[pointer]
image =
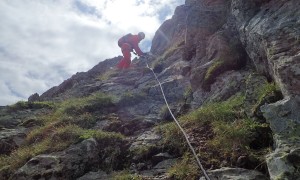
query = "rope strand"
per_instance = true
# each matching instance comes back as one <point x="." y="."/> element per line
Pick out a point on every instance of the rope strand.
<point x="182" y="130"/>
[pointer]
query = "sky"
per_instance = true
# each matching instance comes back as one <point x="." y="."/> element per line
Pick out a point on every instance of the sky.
<point x="44" y="42"/>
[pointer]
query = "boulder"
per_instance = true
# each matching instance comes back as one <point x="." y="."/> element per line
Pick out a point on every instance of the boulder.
<point x="94" y="175"/>
<point x="160" y="170"/>
<point x="234" y="174"/>
<point x="68" y="164"/>
<point x="11" y="139"/>
<point x="34" y="97"/>
<point x="146" y="139"/>
<point x="284" y="119"/>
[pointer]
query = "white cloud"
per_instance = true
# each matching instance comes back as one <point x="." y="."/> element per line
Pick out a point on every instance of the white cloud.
<point x="43" y="43"/>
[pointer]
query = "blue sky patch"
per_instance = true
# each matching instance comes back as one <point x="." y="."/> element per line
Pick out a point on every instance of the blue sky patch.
<point x="86" y="9"/>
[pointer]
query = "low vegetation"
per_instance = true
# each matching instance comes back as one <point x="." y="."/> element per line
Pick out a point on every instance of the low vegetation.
<point x="129" y="98"/>
<point x="94" y="102"/>
<point x="185" y="168"/>
<point x="21" y="105"/>
<point x="126" y="175"/>
<point x="107" y="75"/>
<point x="173" y="140"/>
<point x="159" y="63"/>
<point x="59" y="138"/>
<point x="67" y="124"/>
<point x="266" y="93"/>
<point x="209" y="76"/>
<point x="221" y="132"/>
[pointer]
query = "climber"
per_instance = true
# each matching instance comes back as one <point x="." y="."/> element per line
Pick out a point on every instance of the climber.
<point x="128" y="43"/>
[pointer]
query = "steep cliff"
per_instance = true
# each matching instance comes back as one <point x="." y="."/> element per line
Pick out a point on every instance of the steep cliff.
<point x="230" y="71"/>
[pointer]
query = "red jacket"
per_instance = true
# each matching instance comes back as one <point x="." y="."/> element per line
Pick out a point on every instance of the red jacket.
<point x="133" y="40"/>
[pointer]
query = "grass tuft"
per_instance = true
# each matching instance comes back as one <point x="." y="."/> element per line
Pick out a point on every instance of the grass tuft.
<point x="126" y="175"/>
<point x="129" y="98"/>
<point x="101" y="136"/>
<point x="221" y="132"/>
<point x="94" y="102"/>
<point x="186" y="168"/>
<point x="22" y="105"/>
<point x="173" y="140"/>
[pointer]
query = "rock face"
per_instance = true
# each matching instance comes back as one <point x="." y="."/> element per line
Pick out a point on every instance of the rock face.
<point x="284" y="118"/>
<point x="270" y="33"/>
<point x="34" y="97"/>
<point x="170" y="32"/>
<point x="209" y="51"/>
<point x="10" y="139"/>
<point x="79" y="78"/>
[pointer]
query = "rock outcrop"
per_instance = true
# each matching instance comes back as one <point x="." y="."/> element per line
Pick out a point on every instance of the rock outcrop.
<point x="284" y="119"/>
<point x="67" y="164"/>
<point x="235" y="174"/>
<point x="208" y="53"/>
<point x="269" y="31"/>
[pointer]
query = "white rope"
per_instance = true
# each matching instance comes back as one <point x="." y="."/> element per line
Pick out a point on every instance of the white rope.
<point x="182" y="130"/>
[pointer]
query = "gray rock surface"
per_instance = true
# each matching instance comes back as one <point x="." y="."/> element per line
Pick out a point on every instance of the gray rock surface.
<point x="269" y="30"/>
<point x="95" y="175"/>
<point x="209" y="51"/>
<point x="234" y="174"/>
<point x="68" y="164"/>
<point x="11" y="139"/>
<point x="34" y="97"/>
<point x="159" y="171"/>
<point x="284" y="119"/>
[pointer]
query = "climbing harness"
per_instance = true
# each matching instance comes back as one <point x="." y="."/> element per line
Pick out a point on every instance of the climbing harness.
<point x="182" y="130"/>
